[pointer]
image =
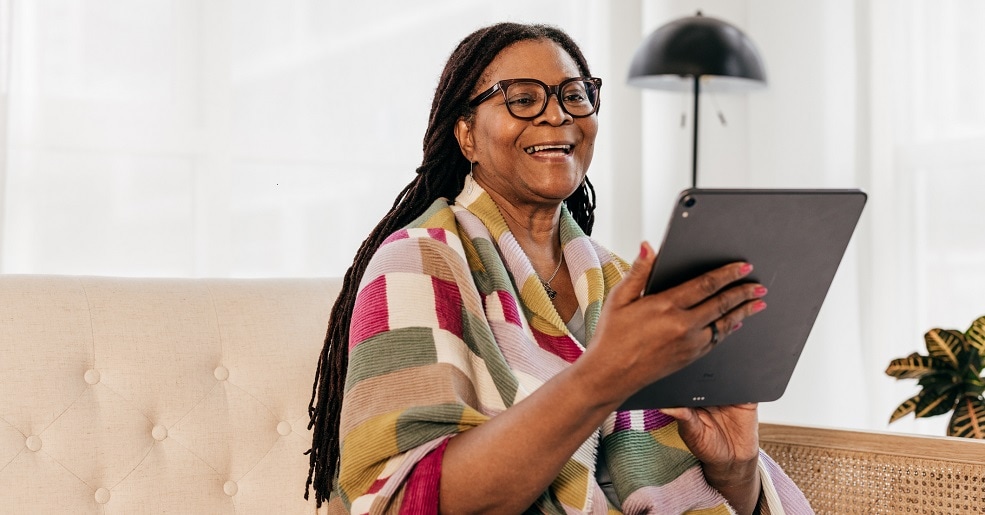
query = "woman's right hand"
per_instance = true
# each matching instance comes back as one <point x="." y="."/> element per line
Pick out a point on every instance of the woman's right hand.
<point x="642" y="338"/>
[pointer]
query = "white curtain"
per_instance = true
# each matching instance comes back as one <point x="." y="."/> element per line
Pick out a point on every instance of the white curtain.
<point x="262" y="138"/>
<point x="222" y="138"/>
<point x="882" y="95"/>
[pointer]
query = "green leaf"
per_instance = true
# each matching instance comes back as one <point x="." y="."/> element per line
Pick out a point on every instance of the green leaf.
<point x="975" y="335"/>
<point x="946" y="344"/>
<point x="939" y="378"/>
<point x="912" y="367"/>
<point x="968" y="420"/>
<point x="906" y="408"/>
<point x="932" y="404"/>
<point x="974" y="388"/>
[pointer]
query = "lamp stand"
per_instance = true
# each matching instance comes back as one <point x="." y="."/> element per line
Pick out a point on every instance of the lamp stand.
<point x="694" y="144"/>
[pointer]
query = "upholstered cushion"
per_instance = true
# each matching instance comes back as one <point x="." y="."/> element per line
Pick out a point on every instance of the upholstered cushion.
<point x="157" y="395"/>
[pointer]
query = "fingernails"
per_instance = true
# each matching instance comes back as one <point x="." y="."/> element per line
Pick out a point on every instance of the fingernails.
<point x="642" y="251"/>
<point x="758" y="306"/>
<point x="736" y="327"/>
<point x="746" y="268"/>
<point x="760" y="291"/>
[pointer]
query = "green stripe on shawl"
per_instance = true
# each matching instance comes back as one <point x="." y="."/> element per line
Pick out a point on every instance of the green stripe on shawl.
<point x="436" y="216"/>
<point x="481" y="342"/>
<point x="631" y="455"/>
<point x="419" y="425"/>
<point x="401" y="347"/>
<point x="489" y="275"/>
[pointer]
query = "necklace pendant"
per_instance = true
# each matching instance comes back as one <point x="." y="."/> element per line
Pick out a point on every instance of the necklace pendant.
<point x="551" y="293"/>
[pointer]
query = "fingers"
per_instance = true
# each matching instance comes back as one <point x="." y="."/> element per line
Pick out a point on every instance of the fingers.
<point x="728" y="309"/>
<point x="679" y="414"/>
<point x="630" y="288"/>
<point x="696" y="290"/>
<point x="715" y="307"/>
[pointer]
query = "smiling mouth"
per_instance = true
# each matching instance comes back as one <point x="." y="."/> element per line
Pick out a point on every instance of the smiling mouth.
<point x="564" y="149"/>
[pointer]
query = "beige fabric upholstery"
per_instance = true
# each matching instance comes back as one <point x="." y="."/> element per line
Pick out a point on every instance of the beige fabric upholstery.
<point x="157" y="395"/>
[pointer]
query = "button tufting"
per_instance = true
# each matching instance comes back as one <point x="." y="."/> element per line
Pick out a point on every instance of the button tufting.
<point x="159" y="432"/>
<point x="92" y="376"/>
<point x="221" y="373"/>
<point x="284" y="428"/>
<point x="230" y="488"/>
<point x="102" y="496"/>
<point x="34" y="443"/>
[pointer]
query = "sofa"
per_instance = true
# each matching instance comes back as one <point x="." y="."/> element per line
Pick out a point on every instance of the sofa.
<point x="134" y="395"/>
<point x="130" y="395"/>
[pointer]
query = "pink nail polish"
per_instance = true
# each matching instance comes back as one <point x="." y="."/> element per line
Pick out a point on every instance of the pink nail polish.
<point x="736" y="327"/>
<point x="642" y="251"/>
<point x="758" y="306"/>
<point x="760" y="291"/>
<point x="746" y="268"/>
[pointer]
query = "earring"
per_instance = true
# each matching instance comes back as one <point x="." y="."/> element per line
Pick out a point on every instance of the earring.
<point x="471" y="179"/>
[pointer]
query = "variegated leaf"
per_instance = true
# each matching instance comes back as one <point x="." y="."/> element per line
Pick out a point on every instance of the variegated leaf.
<point x="968" y="420"/>
<point x="974" y="387"/>
<point x="946" y="344"/>
<point x="975" y="335"/>
<point x="971" y="369"/>
<point x="934" y="403"/>
<point x="906" y="408"/>
<point x="939" y="380"/>
<point x="912" y="367"/>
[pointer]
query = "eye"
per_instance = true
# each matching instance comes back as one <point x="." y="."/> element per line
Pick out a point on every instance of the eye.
<point x="522" y="100"/>
<point x="575" y="93"/>
<point x="575" y="98"/>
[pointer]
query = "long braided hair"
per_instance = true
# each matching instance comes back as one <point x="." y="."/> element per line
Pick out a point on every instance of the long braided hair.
<point x="441" y="174"/>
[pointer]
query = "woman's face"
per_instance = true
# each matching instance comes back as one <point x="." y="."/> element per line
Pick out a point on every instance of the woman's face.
<point x="537" y="162"/>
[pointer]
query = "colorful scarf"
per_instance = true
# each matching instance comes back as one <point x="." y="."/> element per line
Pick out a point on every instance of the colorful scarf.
<point x="451" y="327"/>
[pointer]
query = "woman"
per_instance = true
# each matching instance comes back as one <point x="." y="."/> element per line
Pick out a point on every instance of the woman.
<point x="490" y="339"/>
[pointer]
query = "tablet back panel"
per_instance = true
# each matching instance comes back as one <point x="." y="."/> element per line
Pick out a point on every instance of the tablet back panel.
<point x="795" y="240"/>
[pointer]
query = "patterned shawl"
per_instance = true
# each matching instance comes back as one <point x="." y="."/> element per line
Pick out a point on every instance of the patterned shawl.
<point x="452" y="326"/>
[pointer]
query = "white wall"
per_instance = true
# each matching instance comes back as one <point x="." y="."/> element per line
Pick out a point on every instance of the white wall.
<point x="261" y="138"/>
<point x="798" y="132"/>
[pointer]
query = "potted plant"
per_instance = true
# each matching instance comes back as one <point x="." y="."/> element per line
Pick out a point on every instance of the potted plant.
<point x="950" y="378"/>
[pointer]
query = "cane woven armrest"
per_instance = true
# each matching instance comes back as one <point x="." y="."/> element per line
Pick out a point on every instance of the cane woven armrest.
<point x="856" y="472"/>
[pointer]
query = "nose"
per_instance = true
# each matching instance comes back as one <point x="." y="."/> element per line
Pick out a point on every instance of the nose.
<point x="553" y="113"/>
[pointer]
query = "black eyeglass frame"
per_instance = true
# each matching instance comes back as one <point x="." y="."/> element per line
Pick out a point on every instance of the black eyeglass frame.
<point x="552" y="91"/>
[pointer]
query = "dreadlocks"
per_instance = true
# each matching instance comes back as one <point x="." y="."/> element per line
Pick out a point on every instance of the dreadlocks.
<point x="441" y="174"/>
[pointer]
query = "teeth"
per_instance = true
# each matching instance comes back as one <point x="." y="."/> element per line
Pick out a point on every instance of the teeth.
<point x="538" y="148"/>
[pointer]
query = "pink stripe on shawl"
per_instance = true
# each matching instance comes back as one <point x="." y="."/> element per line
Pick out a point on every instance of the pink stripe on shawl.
<point x="652" y="419"/>
<point x="423" y="484"/>
<point x="448" y="305"/>
<point x="398" y="235"/>
<point x="511" y="312"/>
<point x="563" y="346"/>
<point x="438" y="234"/>
<point x="370" y="315"/>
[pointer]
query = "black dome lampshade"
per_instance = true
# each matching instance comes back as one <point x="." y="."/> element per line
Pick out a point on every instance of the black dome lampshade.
<point x="697" y="53"/>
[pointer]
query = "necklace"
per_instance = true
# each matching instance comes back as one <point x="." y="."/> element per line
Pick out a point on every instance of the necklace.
<point x="551" y="292"/>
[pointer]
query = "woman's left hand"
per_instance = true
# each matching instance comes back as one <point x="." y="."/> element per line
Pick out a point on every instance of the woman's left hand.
<point x="726" y="441"/>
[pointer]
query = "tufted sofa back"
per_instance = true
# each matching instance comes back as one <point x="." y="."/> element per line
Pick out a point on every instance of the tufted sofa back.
<point x="121" y="395"/>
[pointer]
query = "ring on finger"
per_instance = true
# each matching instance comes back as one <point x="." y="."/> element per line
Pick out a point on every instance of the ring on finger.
<point x="714" y="332"/>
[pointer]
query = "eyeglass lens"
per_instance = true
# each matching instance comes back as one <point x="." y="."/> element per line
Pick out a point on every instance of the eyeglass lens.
<point x="529" y="99"/>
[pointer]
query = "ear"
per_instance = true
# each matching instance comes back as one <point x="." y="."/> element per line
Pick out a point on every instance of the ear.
<point x="463" y="133"/>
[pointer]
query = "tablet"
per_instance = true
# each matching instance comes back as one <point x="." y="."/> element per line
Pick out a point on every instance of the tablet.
<point x="795" y="240"/>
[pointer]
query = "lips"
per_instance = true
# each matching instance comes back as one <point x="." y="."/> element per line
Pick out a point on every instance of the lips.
<point x="549" y="148"/>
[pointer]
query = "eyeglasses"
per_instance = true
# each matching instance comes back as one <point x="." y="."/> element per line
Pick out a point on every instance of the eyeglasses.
<point x="527" y="99"/>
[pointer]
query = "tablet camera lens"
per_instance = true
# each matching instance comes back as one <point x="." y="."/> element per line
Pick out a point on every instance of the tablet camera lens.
<point x="688" y="201"/>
